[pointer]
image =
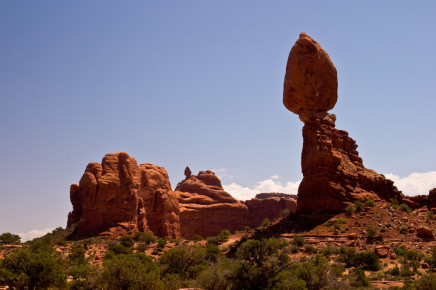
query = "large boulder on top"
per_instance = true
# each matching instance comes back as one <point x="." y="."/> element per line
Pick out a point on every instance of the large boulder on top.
<point x="311" y="83"/>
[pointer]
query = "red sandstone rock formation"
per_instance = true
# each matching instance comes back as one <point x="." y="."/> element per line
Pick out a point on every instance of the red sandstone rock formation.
<point x="311" y="83"/>
<point x="206" y="208"/>
<point x="118" y="192"/>
<point x="333" y="172"/>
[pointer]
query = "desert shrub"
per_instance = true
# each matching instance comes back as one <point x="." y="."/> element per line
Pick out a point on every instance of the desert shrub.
<point x="223" y="236"/>
<point x="404" y="207"/>
<point x="310" y="249"/>
<point x="359" y="205"/>
<point x="371" y="232"/>
<point x="404" y="230"/>
<point x="24" y="269"/>
<point x="365" y="260"/>
<point x="247" y="229"/>
<point x="349" y="209"/>
<point x="133" y="271"/>
<point x="298" y="241"/>
<point x="260" y="262"/>
<point x="370" y="203"/>
<point x="212" y="253"/>
<point x="294" y="249"/>
<point x="337" y="225"/>
<point x="77" y="254"/>
<point x="286" y="212"/>
<point x="328" y="251"/>
<point x="408" y="255"/>
<point x="359" y="278"/>
<point x="431" y="259"/>
<point x="395" y="271"/>
<point x="218" y="275"/>
<point x="430" y="215"/>
<point x="183" y="260"/>
<point x="141" y="247"/>
<point x="426" y="282"/>
<point x="84" y="277"/>
<point x="127" y="241"/>
<point x="161" y="243"/>
<point x="197" y="238"/>
<point x="212" y="240"/>
<point x="265" y="222"/>
<point x="9" y="239"/>
<point x="145" y="237"/>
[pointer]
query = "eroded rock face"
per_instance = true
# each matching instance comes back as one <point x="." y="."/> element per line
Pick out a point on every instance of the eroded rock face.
<point x="118" y="192"/>
<point x="206" y="208"/>
<point x="333" y="172"/>
<point x="432" y="198"/>
<point x="311" y="84"/>
<point x="334" y="175"/>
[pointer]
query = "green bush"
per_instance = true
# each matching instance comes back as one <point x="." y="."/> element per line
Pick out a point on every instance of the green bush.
<point x="365" y="260"/>
<point x="359" y="205"/>
<point x="24" y="269"/>
<point x="247" y="229"/>
<point x="134" y="271"/>
<point x="426" y="282"/>
<point x="127" y="241"/>
<point x="298" y="241"/>
<point x="431" y="259"/>
<point x="212" y="253"/>
<point x="77" y="254"/>
<point x="145" y="237"/>
<point x="219" y="275"/>
<point x="370" y="203"/>
<point x="9" y="239"/>
<point x="405" y="208"/>
<point x="223" y="236"/>
<point x="197" y="238"/>
<point x="430" y="215"/>
<point x="265" y="222"/>
<point x="84" y="276"/>
<point x="359" y="278"/>
<point x="161" y="243"/>
<point x="183" y="260"/>
<point x="371" y="232"/>
<point x="349" y="210"/>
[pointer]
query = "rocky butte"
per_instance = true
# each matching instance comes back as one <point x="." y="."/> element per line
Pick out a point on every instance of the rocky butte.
<point x="120" y="196"/>
<point x="333" y="173"/>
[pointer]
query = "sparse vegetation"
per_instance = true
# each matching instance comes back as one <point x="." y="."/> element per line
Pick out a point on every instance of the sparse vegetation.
<point x="370" y="203"/>
<point x="349" y="209"/>
<point x="404" y="207"/>
<point x="359" y="205"/>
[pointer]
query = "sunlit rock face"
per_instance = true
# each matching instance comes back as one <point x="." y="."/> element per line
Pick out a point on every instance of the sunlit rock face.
<point x="334" y="174"/>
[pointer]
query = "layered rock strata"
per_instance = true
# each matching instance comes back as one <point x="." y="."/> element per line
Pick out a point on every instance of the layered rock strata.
<point x="119" y="193"/>
<point x="206" y="208"/>
<point x="118" y="196"/>
<point x="333" y="172"/>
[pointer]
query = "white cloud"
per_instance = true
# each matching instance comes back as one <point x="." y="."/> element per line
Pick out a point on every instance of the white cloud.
<point x="268" y="185"/>
<point x="222" y="173"/>
<point x="30" y="235"/>
<point x="416" y="183"/>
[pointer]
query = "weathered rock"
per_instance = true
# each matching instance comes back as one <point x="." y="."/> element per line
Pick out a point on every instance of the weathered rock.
<point x="333" y="172"/>
<point x="271" y="208"/>
<point x="206" y="208"/>
<point x="161" y="204"/>
<point x="264" y="195"/>
<point x="425" y="233"/>
<point x="432" y="198"/>
<point x="382" y="251"/>
<point x="188" y="172"/>
<point x="119" y="193"/>
<point x="311" y="82"/>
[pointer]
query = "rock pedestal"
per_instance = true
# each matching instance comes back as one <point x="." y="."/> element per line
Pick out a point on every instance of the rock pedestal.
<point x="333" y="172"/>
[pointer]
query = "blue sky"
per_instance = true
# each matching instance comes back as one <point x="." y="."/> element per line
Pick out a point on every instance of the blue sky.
<point x="197" y="83"/>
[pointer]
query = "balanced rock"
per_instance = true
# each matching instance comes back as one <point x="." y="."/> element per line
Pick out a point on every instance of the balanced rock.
<point x="311" y="84"/>
<point x="333" y="172"/>
<point x="119" y="193"/>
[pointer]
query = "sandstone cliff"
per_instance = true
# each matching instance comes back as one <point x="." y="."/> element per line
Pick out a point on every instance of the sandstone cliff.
<point x="119" y="193"/>
<point x="206" y="208"/>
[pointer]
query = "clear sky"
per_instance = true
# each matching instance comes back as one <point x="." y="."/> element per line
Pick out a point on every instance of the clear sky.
<point x="199" y="83"/>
